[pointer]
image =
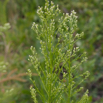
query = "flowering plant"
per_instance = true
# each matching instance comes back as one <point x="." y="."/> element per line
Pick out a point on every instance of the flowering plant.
<point x="57" y="72"/>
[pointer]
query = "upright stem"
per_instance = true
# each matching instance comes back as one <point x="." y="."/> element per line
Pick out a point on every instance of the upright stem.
<point x="69" y="99"/>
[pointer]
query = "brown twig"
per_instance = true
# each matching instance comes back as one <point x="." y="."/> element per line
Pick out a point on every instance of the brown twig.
<point x="17" y="77"/>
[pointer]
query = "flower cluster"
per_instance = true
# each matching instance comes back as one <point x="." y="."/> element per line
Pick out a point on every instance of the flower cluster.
<point x="57" y="72"/>
<point x="5" y="27"/>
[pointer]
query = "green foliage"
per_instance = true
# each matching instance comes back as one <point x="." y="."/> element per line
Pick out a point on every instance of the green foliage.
<point x="14" y="50"/>
<point x="54" y="51"/>
<point x="3" y="29"/>
<point x="3" y="17"/>
<point x="3" y="66"/>
<point x="7" y="96"/>
<point x="15" y="43"/>
<point x="4" y="96"/>
<point x="90" y="21"/>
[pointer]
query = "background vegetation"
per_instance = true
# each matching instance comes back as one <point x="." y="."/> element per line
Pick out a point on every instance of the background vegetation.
<point x="15" y="45"/>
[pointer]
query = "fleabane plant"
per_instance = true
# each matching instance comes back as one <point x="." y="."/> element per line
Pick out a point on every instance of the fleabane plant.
<point x="58" y="72"/>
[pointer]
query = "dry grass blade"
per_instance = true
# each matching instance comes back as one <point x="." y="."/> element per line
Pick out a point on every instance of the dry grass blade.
<point x="11" y="76"/>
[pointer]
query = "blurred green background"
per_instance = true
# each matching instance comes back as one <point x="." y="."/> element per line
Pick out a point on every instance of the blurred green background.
<point x="15" y="45"/>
